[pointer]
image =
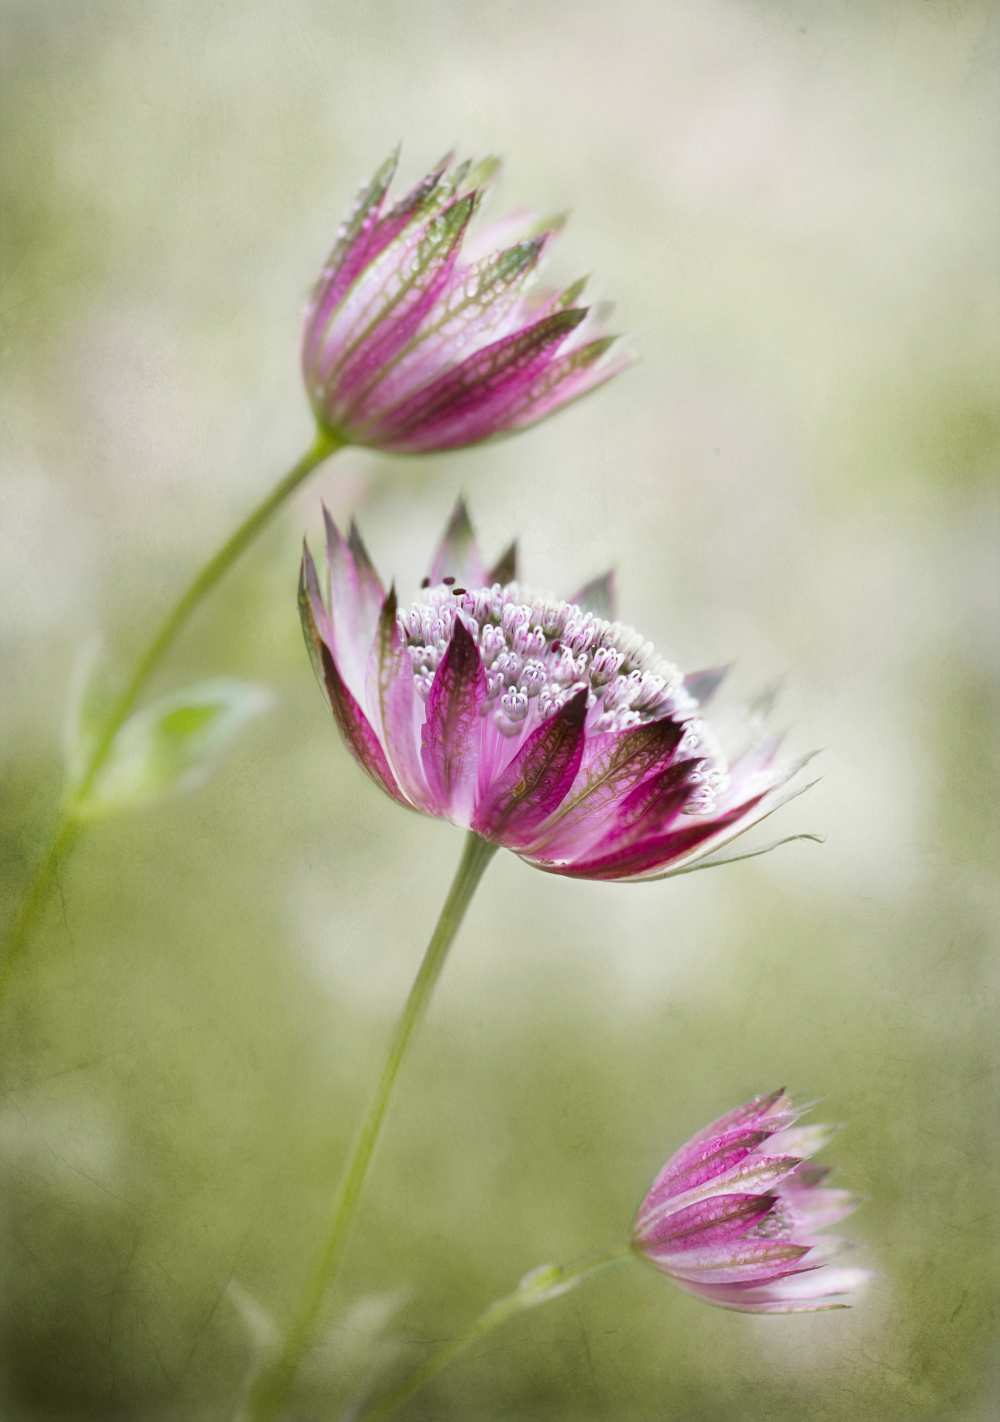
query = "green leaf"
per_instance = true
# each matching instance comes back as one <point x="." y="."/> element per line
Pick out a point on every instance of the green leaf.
<point x="171" y="746"/>
<point x="547" y="1281"/>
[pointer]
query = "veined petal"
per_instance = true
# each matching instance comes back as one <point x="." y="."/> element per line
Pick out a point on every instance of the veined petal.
<point x="734" y="823"/>
<point x="613" y="763"/>
<point x="754" y="1174"/>
<point x="395" y="705"/>
<point x="351" y="250"/>
<point x="537" y="779"/>
<point x="354" y="726"/>
<point x="390" y="248"/>
<point x="469" y="402"/>
<point x="355" y="596"/>
<point x="700" y="1161"/>
<point x="452" y="728"/>
<point x="476" y="305"/>
<point x="650" y="808"/>
<point x="719" y="1219"/>
<point x="407" y="296"/>
<point x="642" y="859"/>
<point x="568" y="378"/>
<point x="749" y="1260"/>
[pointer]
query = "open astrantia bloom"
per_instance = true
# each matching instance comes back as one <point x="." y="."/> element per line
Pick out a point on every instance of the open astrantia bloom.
<point x="419" y="337"/>
<point x="737" y="1215"/>
<point x="541" y="724"/>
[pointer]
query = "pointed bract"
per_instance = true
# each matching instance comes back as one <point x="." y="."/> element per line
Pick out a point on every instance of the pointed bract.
<point x="457" y="554"/>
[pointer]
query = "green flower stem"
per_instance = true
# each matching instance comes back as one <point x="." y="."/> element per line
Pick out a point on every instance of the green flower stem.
<point x="67" y="826"/>
<point x="525" y="1296"/>
<point x="272" y="1387"/>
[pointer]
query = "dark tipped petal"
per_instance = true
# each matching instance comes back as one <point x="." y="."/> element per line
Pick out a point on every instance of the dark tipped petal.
<point x="311" y="609"/>
<point x="504" y="570"/>
<point x="703" y="685"/>
<point x="599" y="596"/>
<point x="457" y="554"/>
<point x="773" y="1111"/>
<point x="361" y="740"/>
<point x="452" y="728"/>
<point x="537" y="779"/>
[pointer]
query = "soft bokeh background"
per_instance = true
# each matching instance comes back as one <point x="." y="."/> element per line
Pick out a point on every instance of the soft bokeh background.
<point x="796" y="208"/>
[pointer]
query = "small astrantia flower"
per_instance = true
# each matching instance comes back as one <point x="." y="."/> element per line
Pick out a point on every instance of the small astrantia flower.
<point x="420" y="337"/>
<point x="541" y="724"/>
<point x="737" y="1215"/>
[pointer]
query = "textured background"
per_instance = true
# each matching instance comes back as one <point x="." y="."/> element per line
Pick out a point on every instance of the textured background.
<point x="796" y="208"/>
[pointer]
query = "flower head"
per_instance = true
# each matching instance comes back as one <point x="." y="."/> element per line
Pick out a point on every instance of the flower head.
<point x="737" y="1215"/>
<point x="543" y="725"/>
<point x="418" y="338"/>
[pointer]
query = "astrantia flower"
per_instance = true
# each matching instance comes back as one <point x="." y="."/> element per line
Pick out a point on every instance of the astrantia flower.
<point x="737" y="1215"/>
<point x="418" y="338"/>
<point x="543" y="725"/>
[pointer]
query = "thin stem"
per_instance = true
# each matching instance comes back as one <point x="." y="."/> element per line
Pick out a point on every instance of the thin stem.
<point x="272" y="1387"/>
<point x="527" y="1295"/>
<point x="67" y="825"/>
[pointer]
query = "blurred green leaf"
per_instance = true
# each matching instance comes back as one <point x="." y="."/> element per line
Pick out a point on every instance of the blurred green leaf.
<point x="92" y="693"/>
<point x="171" y="746"/>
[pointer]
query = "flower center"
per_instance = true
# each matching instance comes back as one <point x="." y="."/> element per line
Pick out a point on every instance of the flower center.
<point x="538" y="652"/>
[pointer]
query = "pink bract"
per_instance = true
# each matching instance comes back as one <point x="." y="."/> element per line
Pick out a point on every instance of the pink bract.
<point x="737" y="1215"/>
<point x="421" y="338"/>
<point x="543" y="725"/>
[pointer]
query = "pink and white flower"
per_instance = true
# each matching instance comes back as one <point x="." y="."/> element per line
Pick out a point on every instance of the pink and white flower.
<point x="543" y="725"/>
<point x="419" y="337"/>
<point x="738" y="1215"/>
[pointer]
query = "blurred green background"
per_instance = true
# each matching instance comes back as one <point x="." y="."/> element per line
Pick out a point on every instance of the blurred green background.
<point x="795" y="206"/>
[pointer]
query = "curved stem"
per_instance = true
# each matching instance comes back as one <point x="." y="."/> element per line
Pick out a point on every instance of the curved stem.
<point x="529" y="1294"/>
<point x="272" y="1387"/>
<point x="67" y="826"/>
